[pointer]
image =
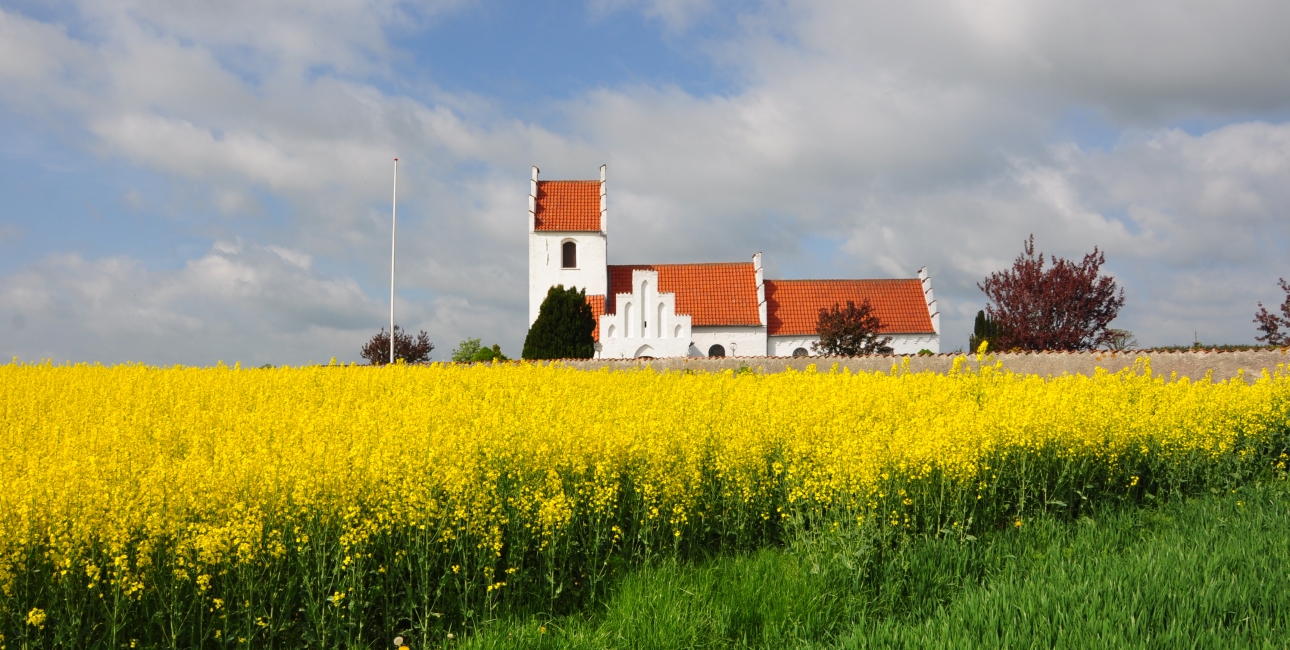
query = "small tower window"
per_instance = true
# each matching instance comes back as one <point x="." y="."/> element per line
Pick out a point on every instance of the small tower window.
<point x="716" y="351"/>
<point x="569" y="253"/>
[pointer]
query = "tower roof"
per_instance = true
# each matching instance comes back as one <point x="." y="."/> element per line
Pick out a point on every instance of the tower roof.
<point x="571" y="206"/>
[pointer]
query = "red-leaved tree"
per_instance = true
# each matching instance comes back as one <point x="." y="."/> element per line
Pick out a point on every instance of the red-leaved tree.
<point x="850" y="332"/>
<point x="406" y="347"/>
<point x="1066" y="306"/>
<point x="1271" y="324"/>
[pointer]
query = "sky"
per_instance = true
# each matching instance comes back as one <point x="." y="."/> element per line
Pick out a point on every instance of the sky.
<point x="187" y="182"/>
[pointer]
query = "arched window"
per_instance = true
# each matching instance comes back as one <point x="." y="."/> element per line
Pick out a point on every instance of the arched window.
<point x="716" y="351"/>
<point x="569" y="252"/>
<point x="801" y="352"/>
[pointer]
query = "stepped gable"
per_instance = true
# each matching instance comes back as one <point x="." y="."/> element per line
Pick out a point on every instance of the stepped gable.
<point x="571" y="206"/>
<point x="793" y="306"/>
<point x="723" y="293"/>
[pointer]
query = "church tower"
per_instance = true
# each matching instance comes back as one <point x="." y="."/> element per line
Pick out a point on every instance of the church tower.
<point x="568" y="238"/>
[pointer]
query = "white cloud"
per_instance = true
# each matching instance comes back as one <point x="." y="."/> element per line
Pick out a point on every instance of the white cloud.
<point x="10" y="232"/>
<point x="676" y="15"/>
<point x="238" y="301"/>
<point x="1138" y="58"/>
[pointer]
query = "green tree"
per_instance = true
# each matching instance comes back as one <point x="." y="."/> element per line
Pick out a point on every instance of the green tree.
<point x="471" y="350"/>
<point x="563" y="327"/>
<point x="466" y="350"/>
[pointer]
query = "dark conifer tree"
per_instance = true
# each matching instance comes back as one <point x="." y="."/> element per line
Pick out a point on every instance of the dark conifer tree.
<point x="985" y="330"/>
<point x="564" y="326"/>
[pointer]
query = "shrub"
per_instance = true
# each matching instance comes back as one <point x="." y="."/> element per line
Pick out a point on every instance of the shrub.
<point x="490" y="354"/>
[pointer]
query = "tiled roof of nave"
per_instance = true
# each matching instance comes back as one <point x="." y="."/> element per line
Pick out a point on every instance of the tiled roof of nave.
<point x="793" y="306"/>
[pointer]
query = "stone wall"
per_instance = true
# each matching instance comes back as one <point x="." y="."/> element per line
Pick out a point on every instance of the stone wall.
<point x="1195" y="365"/>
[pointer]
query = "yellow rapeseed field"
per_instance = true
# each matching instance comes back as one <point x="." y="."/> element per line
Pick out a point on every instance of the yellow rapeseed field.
<point x="225" y="501"/>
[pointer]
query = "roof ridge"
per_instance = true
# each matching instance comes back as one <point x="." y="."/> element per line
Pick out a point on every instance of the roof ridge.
<point x="843" y="280"/>
<point x="683" y="264"/>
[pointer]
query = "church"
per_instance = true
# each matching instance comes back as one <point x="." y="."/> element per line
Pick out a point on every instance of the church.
<point x="710" y="309"/>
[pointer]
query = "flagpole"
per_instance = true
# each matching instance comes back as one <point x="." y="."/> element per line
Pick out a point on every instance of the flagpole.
<point x="394" y="222"/>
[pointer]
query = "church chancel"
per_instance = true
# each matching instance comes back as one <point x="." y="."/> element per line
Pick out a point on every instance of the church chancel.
<point x="701" y="310"/>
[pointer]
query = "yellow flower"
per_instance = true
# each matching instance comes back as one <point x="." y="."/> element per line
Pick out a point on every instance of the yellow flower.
<point x="221" y="470"/>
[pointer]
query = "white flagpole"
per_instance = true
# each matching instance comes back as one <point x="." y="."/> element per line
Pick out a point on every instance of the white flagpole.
<point x="394" y="222"/>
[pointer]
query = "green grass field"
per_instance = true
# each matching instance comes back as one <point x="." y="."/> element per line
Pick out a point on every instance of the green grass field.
<point x="1207" y="572"/>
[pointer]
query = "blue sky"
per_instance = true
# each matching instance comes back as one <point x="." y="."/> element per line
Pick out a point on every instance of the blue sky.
<point x="187" y="182"/>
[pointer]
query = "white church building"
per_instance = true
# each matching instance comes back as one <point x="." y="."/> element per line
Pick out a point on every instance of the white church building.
<point x="700" y="310"/>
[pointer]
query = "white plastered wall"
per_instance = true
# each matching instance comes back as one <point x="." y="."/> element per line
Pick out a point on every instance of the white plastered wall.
<point x="545" y="271"/>
<point x="644" y="323"/>
<point x="783" y="346"/>
<point x="914" y="343"/>
<point x="739" y="341"/>
<point x="933" y="342"/>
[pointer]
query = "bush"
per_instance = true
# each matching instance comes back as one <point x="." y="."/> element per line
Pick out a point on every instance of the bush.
<point x="471" y="351"/>
<point x="490" y="354"/>
<point x="564" y="326"/>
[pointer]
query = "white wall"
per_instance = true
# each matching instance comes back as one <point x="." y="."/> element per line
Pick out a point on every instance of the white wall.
<point x="545" y="258"/>
<point x="739" y="341"/>
<point x="914" y="343"/>
<point x="644" y="323"/>
<point x="783" y="346"/>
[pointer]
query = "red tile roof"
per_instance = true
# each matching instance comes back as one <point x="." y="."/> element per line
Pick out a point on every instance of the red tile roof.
<point x="712" y="294"/>
<point x="597" y="303"/>
<point x="793" y="306"/>
<point x="568" y="205"/>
